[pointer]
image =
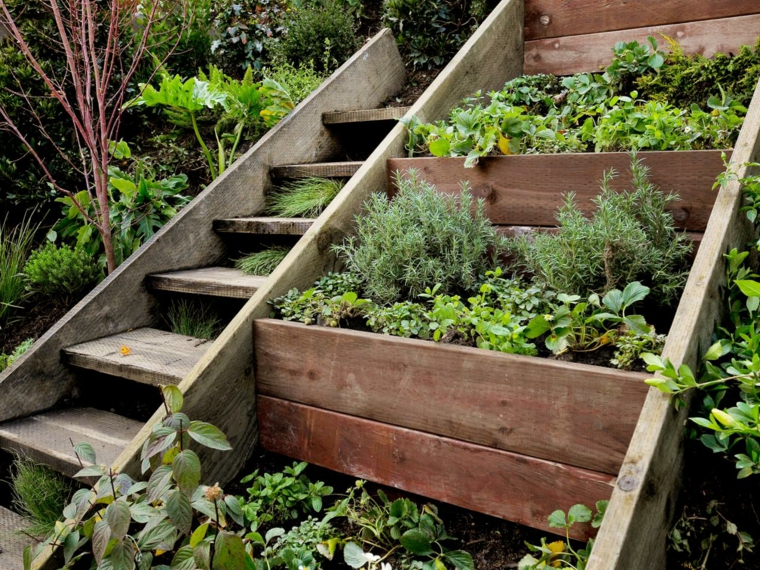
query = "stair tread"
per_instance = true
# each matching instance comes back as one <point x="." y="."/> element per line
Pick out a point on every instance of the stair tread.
<point x="215" y="281"/>
<point x="264" y="225"/>
<point x="47" y="437"/>
<point x="155" y="356"/>
<point x="344" y="169"/>
<point x="364" y="115"/>
<point x="12" y="542"/>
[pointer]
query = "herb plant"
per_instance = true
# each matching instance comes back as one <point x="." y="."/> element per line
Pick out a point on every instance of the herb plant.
<point x="631" y="237"/>
<point x="419" y="239"/>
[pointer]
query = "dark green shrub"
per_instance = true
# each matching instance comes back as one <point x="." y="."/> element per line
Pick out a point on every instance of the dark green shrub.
<point x="420" y="239"/>
<point x="322" y="33"/>
<point x="61" y="272"/>
<point x="631" y="237"/>
<point x="431" y="31"/>
<point x="246" y="30"/>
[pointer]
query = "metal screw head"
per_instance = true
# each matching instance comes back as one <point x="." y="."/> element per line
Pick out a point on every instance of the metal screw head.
<point x="545" y="20"/>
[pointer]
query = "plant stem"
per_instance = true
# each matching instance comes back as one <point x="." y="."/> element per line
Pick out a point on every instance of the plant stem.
<point x="213" y="544"/>
<point x="206" y="151"/>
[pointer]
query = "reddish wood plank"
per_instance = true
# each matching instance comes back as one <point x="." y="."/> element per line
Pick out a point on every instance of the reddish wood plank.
<point x="527" y="189"/>
<point x="498" y="483"/>
<point x="576" y="414"/>
<point x="590" y="52"/>
<point x="552" y="19"/>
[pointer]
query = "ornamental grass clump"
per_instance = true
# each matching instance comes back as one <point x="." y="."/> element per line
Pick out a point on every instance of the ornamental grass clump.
<point x="420" y="239"/>
<point x="262" y="262"/>
<point x="631" y="237"/>
<point x="305" y="198"/>
<point x="39" y="494"/>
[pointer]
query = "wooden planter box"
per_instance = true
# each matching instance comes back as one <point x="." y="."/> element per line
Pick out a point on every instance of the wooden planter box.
<point x="530" y="434"/>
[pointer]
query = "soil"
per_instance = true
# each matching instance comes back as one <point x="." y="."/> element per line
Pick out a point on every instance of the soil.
<point x="416" y="83"/>
<point x="710" y="483"/>
<point x="33" y="322"/>
<point x="493" y="543"/>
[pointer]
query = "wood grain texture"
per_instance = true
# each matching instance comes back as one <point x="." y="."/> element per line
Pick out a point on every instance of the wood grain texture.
<point x="320" y="170"/>
<point x="220" y="388"/>
<point x="552" y="19"/>
<point x="637" y="521"/>
<point x="214" y="281"/>
<point x="574" y="414"/>
<point x="364" y="115"/>
<point x="498" y="483"/>
<point x="590" y="52"/>
<point x="46" y="438"/>
<point x="155" y="357"/>
<point x="12" y="542"/>
<point x="490" y="57"/>
<point x="264" y="226"/>
<point x="527" y="190"/>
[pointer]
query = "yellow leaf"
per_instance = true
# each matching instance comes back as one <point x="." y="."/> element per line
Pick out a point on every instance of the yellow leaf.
<point x="504" y="144"/>
<point x="125" y="350"/>
<point x="724" y="418"/>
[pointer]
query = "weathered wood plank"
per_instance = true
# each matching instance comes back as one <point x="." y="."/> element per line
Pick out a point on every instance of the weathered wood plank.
<point x="214" y="281"/>
<point x="507" y="485"/>
<point x="552" y="19"/>
<point x="12" y="541"/>
<point x="47" y="437"/>
<point x="320" y="170"/>
<point x="590" y="52"/>
<point x="155" y="357"/>
<point x="637" y="521"/>
<point x="585" y="415"/>
<point x="527" y="190"/>
<point x="264" y="226"/>
<point x="364" y="115"/>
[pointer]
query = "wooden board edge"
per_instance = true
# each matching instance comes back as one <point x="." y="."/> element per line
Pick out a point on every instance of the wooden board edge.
<point x="643" y="501"/>
<point x="497" y="483"/>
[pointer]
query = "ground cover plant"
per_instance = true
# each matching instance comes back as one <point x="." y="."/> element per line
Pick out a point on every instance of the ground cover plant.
<point x="426" y="265"/>
<point x="173" y="519"/>
<point x="632" y="105"/>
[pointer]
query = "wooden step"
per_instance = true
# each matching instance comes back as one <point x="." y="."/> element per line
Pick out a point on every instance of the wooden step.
<point x="319" y="169"/>
<point x="364" y="115"/>
<point x="215" y="281"/>
<point x="153" y="356"/>
<point x="12" y="541"/>
<point x="47" y="438"/>
<point x="264" y="226"/>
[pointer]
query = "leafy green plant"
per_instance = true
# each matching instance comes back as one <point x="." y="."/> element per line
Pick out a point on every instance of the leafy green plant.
<point x="262" y="262"/>
<point x="392" y="525"/>
<point x="140" y="205"/>
<point x="282" y="496"/>
<point x="419" y="239"/>
<point x="197" y="320"/>
<point x="428" y="32"/>
<point x="632" y="59"/>
<point x="303" y="198"/>
<point x="39" y="494"/>
<point x="320" y="33"/>
<point x="120" y="523"/>
<point x="631" y="345"/>
<point x="631" y="237"/>
<point x="61" y="273"/>
<point x="16" y="244"/>
<point x="298" y="80"/>
<point x="561" y="554"/>
<point x="7" y="359"/>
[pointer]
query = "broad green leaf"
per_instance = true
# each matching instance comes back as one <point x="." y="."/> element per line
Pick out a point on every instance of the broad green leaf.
<point x="198" y="535"/>
<point x="183" y="559"/>
<point x="633" y="293"/>
<point x="579" y="513"/>
<point x="715" y="351"/>
<point x="118" y="516"/>
<point x="208" y="435"/>
<point x="748" y="287"/>
<point x="186" y="471"/>
<point x="230" y="552"/>
<point x="122" y="556"/>
<point x="557" y="519"/>
<point x="440" y="147"/>
<point x="460" y="559"/>
<point x="274" y="533"/>
<point x="85" y="452"/>
<point x="90" y="471"/>
<point x="100" y="537"/>
<point x="159" y="483"/>
<point x="354" y="555"/>
<point x="179" y="510"/>
<point x="537" y="326"/>
<point x="173" y="397"/>
<point x="417" y="542"/>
